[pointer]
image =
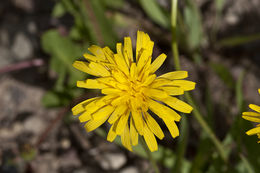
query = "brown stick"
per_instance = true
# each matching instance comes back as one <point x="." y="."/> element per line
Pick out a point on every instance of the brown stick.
<point x="22" y="65"/>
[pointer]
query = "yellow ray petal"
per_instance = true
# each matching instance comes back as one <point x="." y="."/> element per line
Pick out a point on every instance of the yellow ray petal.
<point x="86" y="116"/>
<point x="150" y="139"/>
<point x="253" y="131"/>
<point x="93" y="124"/>
<point x="107" y="110"/>
<point x="128" y="50"/>
<point x="154" y="126"/>
<point x="139" y="45"/>
<point x="184" y="84"/>
<point x="84" y="66"/>
<point x="119" y="110"/>
<point x="171" y="125"/>
<point x="125" y="138"/>
<point x="120" y="61"/>
<point x="143" y="75"/>
<point x="79" y="108"/>
<point x="253" y="119"/>
<point x="122" y="123"/>
<point x="149" y="80"/>
<point x="91" y="84"/>
<point x="156" y="93"/>
<point x="120" y="100"/>
<point x="175" y="75"/>
<point x="157" y="63"/>
<point x="91" y="57"/>
<point x="138" y="121"/>
<point x="178" y="104"/>
<point x="119" y="76"/>
<point x="163" y="111"/>
<point x="253" y="114"/>
<point x="111" y="134"/>
<point x="96" y="50"/>
<point x="133" y="133"/>
<point x="159" y="82"/>
<point x="91" y="108"/>
<point x="110" y="91"/>
<point x="174" y="91"/>
<point x="259" y="90"/>
<point x="255" y="107"/>
<point x="133" y="71"/>
<point x="147" y="44"/>
<point x="109" y="54"/>
<point x="100" y="69"/>
<point x="142" y="61"/>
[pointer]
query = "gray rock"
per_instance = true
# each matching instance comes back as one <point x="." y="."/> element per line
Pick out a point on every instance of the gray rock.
<point x="22" y="47"/>
<point x="130" y="169"/>
<point x="26" y="5"/>
<point x="5" y="57"/>
<point x="113" y="161"/>
<point x="34" y="124"/>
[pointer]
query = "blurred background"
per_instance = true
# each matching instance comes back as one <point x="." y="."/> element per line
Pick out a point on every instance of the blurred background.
<point x="39" y="40"/>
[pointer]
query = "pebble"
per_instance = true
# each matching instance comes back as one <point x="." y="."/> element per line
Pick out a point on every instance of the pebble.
<point x="22" y="47"/>
<point x="130" y="169"/>
<point x="113" y="161"/>
<point x="35" y="125"/>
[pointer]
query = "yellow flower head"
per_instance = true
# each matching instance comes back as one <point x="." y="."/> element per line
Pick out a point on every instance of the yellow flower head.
<point x="254" y="117"/>
<point x="130" y="89"/>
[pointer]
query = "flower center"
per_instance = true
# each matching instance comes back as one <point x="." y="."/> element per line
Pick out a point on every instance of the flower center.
<point x="136" y="96"/>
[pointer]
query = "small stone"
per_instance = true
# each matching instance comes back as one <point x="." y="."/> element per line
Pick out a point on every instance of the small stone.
<point x="113" y="161"/>
<point x="22" y="47"/>
<point x="35" y="125"/>
<point x="65" y="143"/>
<point x="232" y="19"/>
<point x="32" y="28"/>
<point x="26" y="5"/>
<point x="130" y="169"/>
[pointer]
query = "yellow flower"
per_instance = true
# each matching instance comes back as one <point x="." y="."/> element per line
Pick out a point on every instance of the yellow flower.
<point x="254" y="117"/>
<point x="130" y="89"/>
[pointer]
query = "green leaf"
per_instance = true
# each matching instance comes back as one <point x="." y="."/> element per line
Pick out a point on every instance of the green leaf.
<point x="155" y="12"/>
<point x="114" y="3"/>
<point x="192" y="19"/>
<point x="63" y="49"/>
<point x="58" y="10"/>
<point x="104" y="25"/>
<point x="51" y="99"/>
<point x="245" y="165"/>
<point x="238" y="40"/>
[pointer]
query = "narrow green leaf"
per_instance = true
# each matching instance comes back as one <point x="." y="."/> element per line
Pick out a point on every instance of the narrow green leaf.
<point x="192" y="19"/>
<point x="238" y="40"/>
<point x="104" y="26"/>
<point x="155" y="12"/>
<point x="51" y="99"/>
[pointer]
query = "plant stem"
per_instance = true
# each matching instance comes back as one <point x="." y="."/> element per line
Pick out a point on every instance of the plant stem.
<point x="188" y="97"/>
<point x="206" y="127"/>
<point x="174" y="35"/>
<point x="149" y="154"/>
